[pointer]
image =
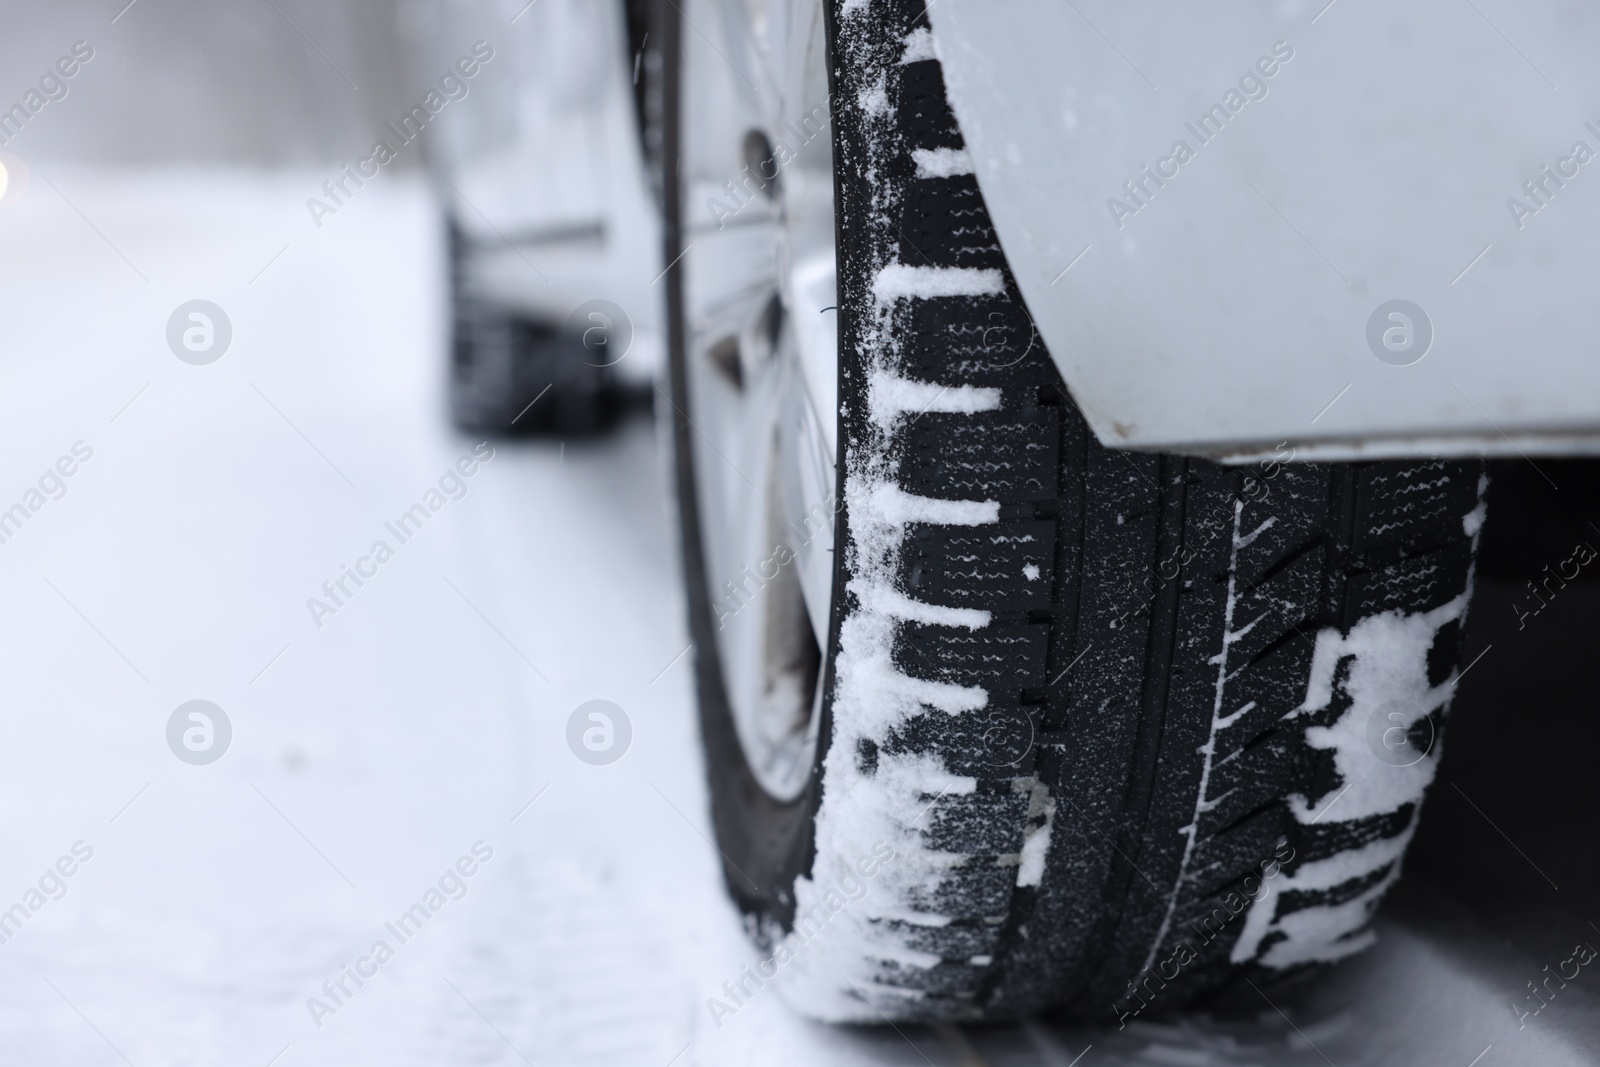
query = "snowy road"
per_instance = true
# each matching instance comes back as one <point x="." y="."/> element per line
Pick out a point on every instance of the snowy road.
<point x="398" y="772"/>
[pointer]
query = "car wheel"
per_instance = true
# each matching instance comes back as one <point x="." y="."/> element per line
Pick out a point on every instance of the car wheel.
<point x="511" y="375"/>
<point x="998" y="719"/>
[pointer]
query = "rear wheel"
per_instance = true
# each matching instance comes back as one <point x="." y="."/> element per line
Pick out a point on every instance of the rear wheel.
<point x="511" y="374"/>
<point x="997" y="719"/>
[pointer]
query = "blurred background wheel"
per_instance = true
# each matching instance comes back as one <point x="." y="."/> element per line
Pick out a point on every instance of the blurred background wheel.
<point x="513" y="374"/>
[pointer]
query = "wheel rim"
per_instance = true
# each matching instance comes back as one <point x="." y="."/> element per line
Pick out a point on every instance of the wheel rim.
<point x="762" y="362"/>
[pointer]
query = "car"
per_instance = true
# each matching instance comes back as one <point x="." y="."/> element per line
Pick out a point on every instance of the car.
<point x="1080" y="420"/>
<point x="549" y="221"/>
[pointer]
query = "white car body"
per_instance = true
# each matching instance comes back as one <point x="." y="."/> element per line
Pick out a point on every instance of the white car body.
<point x="539" y="165"/>
<point x="1352" y="154"/>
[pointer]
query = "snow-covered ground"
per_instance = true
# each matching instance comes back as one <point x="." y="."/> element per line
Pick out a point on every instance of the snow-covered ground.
<point x="372" y="747"/>
<point x="410" y="730"/>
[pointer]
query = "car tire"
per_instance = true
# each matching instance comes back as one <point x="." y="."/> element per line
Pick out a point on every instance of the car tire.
<point x="511" y="375"/>
<point x="1099" y="731"/>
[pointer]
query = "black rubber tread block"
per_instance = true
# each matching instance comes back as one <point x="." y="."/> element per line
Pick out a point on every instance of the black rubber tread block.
<point x="1411" y="506"/>
<point x="1003" y="660"/>
<point x="978" y="889"/>
<point x="1245" y="779"/>
<point x="1272" y="687"/>
<point x="1104" y="580"/>
<point x="1295" y="497"/>
<point x="1445" y="655"/>
<point x="992" y="742"/>
<point x="1413" y="584"/>
<point x="1212" y="922"/>
<point x="926" y="116"/>
<point x="962" y="939"/>
<point x="1285" y="606"/>
<point x="1221" y="860"/>
<point x="944" y="224"/>
<point x="1007" y="567"/>
<point x="962" y="457"/>
<point x="981" y="341"/>
<point x="987" y="823"/>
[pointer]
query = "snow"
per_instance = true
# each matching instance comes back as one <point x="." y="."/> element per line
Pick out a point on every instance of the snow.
<point x="886" y="503"/>
<point x="919" y="45"/>
<point x="889" y="601"/>
<point x="830" y="979"/>
<point x="902" y="281"/>
<point x="874" y="99"/>
<point x="1036" y="843"/>
<point x="941" y="162"/>
<point x="886" y="695"/>
<point x="890" y="396"/>
<point x="1388" y="675"/>
<point x="1473" y="522"/>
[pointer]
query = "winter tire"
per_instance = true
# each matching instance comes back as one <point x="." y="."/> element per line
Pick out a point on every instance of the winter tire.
<point x="1034" y="723"/>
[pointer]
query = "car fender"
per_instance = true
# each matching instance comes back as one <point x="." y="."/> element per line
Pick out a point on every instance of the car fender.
<point x="1352" y="257"/>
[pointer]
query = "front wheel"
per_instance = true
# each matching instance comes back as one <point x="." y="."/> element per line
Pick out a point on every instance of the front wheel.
<point x="997" y="719"/>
